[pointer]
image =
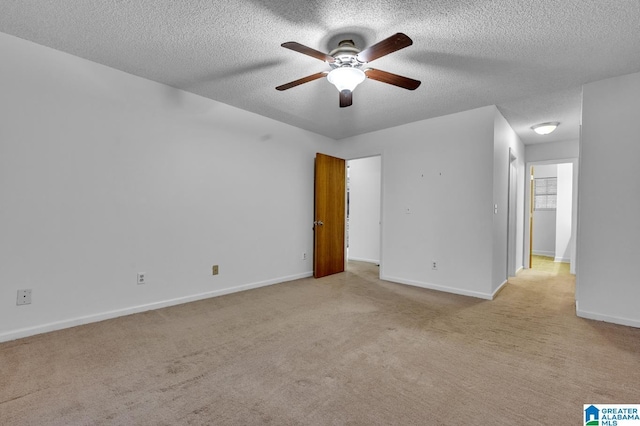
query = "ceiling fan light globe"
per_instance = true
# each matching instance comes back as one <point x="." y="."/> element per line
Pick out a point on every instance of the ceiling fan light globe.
<point x="346" y="78"/>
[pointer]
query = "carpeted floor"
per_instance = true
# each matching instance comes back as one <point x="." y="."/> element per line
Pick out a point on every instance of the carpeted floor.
<point x="343" y="350"/>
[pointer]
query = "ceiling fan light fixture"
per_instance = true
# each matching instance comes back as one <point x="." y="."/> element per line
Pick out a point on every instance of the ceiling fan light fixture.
<point x="346" y="78"/>
<point x="545" y="128"/>
<point x="346" y="62"/>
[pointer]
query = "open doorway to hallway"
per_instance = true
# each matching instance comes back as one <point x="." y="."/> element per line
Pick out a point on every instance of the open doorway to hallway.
<point x="363" y="209"/>
<point x="551" y="231"/>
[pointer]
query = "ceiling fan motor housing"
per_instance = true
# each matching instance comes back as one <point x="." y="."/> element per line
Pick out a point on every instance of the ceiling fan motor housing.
<point x="345" y="55"/>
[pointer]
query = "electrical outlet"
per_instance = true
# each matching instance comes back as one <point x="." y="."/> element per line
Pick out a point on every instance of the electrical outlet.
<point x="304" y="255"/>
<point x="24" y="297"/>
<point x="434" y="265"/>
<point x="214" y="270"/>
<point x="142" y="278"/>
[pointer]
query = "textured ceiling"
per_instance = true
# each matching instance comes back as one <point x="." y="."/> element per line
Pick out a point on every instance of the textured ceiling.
<point x="527" y="57"/>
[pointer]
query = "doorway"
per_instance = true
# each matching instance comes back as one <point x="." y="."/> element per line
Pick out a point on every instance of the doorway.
<point x="364" y="183"/>
<point x="551" y="206"/>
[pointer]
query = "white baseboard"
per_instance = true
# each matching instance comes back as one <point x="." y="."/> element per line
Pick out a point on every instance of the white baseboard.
<point x="562" y="260"/>
<point x="608" y="318"/>
<point x="500" y="287"/>
<point x="358" y="259"/>
<point x="438" y="287"/>
<point x="73" y="322"/>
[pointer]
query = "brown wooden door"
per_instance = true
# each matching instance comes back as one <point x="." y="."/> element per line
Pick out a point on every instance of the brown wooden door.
<point x="329" y="212"/>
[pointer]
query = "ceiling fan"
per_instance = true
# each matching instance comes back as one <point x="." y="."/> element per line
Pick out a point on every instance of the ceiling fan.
<point x="347" y="61"/>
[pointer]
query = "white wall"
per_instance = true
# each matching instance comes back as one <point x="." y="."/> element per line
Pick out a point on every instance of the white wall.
<point x="437" y="199"/>
<point x="364" y="209"/>
<point x="544" y="233"/>
<point x="104" y="174"/>
<point x="608" y="284"/>
<point x="544" y="221"/>
<point x="552" y="151"/>
<point x="564" y="213"/>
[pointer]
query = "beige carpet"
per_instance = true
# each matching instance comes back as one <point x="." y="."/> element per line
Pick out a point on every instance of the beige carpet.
<point x="343" y="350"/>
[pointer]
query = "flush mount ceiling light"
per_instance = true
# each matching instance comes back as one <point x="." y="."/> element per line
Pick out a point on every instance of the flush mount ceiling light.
<point x="545" y="128"/>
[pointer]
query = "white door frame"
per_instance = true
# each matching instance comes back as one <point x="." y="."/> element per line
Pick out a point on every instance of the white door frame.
<point x="512" y="216"/>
